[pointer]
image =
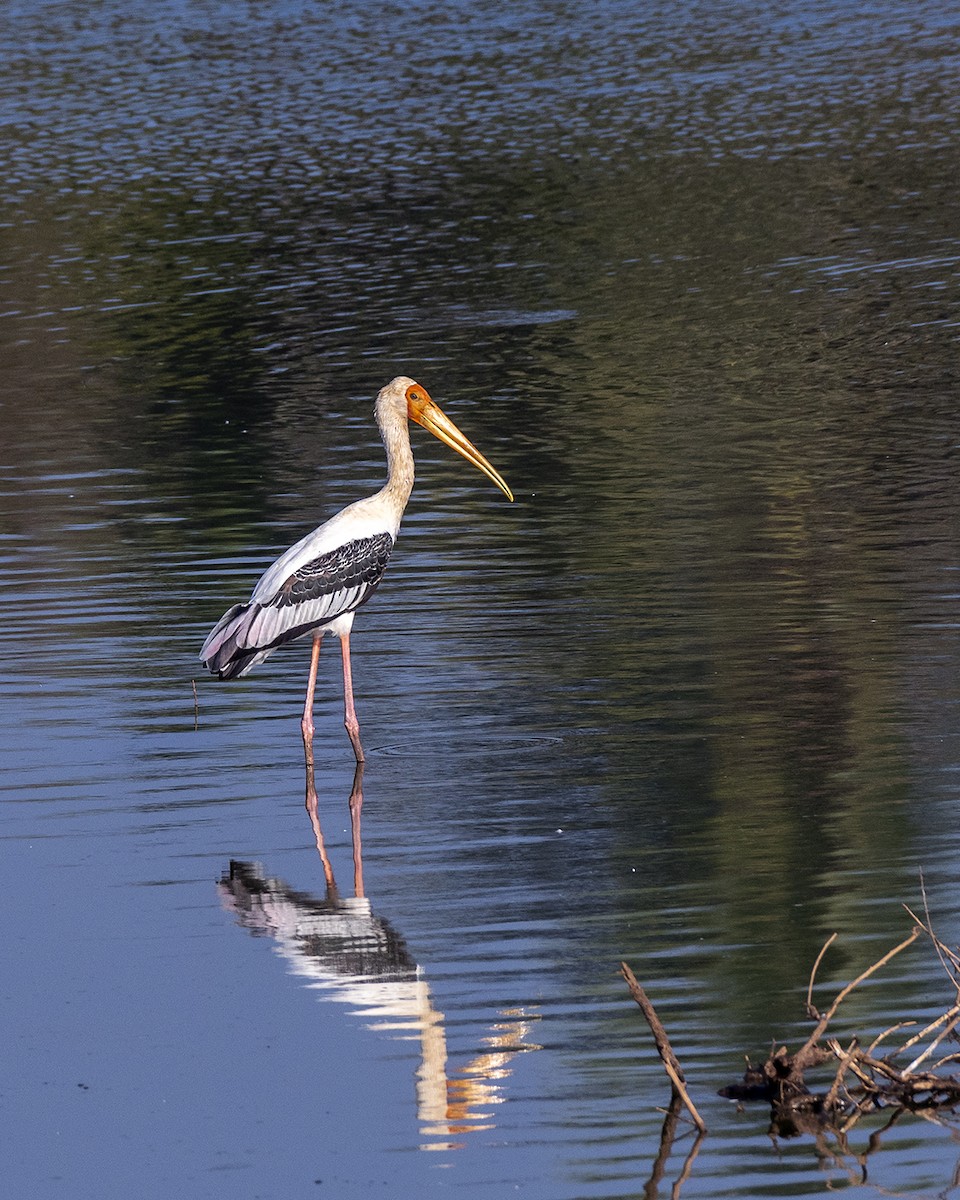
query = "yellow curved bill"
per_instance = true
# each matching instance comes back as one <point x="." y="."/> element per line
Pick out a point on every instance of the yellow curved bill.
<point x="431" y="416"/>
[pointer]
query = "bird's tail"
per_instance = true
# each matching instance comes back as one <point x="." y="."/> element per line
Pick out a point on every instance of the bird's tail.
<point x="226" y="652"/>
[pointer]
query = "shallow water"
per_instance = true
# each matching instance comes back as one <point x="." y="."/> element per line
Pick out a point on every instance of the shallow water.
<point x="688" y="276"/>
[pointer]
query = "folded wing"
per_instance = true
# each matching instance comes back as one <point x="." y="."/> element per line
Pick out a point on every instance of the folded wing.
<point x="314" y="594"/>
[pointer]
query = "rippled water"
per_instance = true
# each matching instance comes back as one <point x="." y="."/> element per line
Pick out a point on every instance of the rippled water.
<point x="688" y="275"/>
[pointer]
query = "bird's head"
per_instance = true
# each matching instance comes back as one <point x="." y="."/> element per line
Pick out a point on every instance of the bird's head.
<point x="426" y="412"/>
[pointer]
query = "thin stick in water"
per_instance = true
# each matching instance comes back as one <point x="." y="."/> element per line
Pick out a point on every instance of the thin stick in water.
<point x="670" y="1061"/>
<point x="811" y="1008"/>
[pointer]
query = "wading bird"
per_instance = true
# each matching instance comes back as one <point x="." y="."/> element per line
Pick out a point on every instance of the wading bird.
<point x="318" y="584"/>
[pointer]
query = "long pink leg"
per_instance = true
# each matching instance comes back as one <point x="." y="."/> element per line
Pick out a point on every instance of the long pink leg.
<point x="306" y="723"/>
<point x="350" y="722"/>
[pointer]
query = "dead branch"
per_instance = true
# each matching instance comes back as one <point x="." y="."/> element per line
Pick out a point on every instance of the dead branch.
<point x="846" y="1060"/>
<point x="886" y="1033"/>
<point x="917" y="1037"/>
<point x="882" y="1066"/>
<point x="670" y="1061"/>
<point x="954" y="1015"/>
<point x="811" y="1008"/>
<point x="943" y="951"/>
<point x="821" y="1028"/>
<point x="863" y="1079"/>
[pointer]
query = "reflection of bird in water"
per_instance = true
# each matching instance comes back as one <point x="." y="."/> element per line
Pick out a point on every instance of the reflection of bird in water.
<point x="337" y="942"/>
<point x="318" y="584"/>
<point x="343" y="949"/>
<point x="352" y="955"/>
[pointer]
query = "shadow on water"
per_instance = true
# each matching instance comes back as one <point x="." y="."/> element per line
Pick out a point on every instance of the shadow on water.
<point x="350" y="954"/>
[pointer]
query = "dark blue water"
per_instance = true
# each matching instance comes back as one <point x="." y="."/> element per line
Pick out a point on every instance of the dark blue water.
<point x="688" y="276"/>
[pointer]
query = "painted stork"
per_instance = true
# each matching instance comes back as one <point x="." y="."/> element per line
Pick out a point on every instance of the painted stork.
<point x="317" y="586"/>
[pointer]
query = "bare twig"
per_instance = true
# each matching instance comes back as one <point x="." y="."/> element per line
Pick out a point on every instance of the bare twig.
<point x="882" y="1066"/>
<point x="850" y="1060"/>
<point x="845" y="1057"/>
<point x="917" y="1037"/>
<point x="954" y="1014"/>
<point x="803" y="1054"/>
<point x="943" y="951"/>
<point x="886" y="1033"/>
<point x="670" y="1061"/>
<point x="811" y="1007"/>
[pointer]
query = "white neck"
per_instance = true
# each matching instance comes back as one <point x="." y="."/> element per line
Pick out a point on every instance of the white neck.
<point x="395" y="432"/>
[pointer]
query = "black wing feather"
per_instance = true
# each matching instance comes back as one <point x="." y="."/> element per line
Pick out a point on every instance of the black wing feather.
<point x="248" y="633"/>
<point x="358" y="564"/>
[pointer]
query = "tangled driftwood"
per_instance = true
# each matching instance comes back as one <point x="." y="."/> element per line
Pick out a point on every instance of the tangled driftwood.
<point x="914" y="1077"/>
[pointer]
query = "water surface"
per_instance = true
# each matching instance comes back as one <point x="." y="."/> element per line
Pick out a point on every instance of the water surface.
<point x="688" y="276"/>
